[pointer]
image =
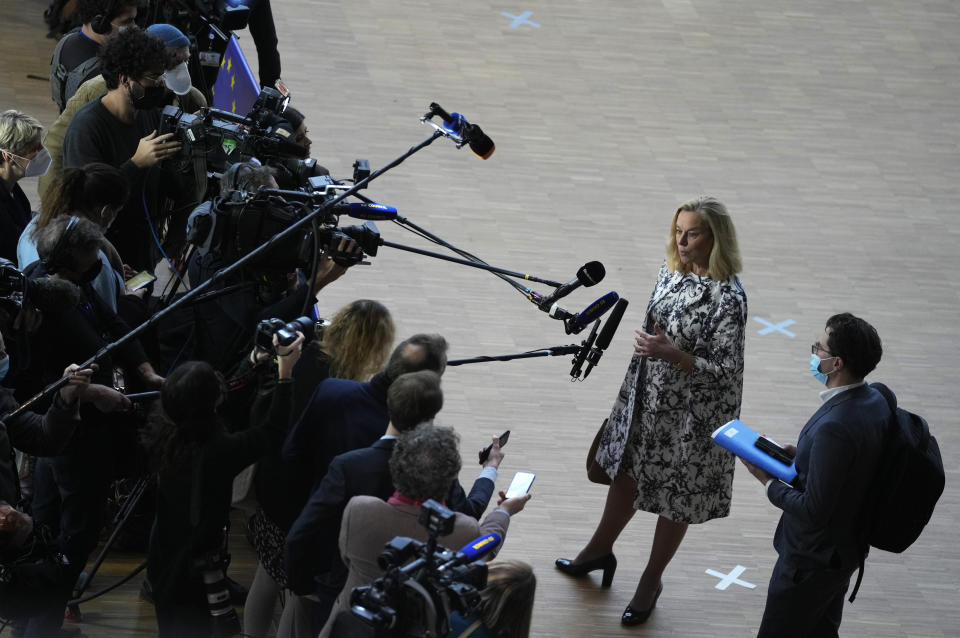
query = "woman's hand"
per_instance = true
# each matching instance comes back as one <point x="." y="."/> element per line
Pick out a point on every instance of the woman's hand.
<point x="77" y="384"/>
<point x="655" y="346"/>
<point x="287" y="356"/>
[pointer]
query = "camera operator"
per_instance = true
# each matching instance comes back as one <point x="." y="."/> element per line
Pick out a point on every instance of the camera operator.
<point x="197" y="461"/>
<point x="226" y="323"/>
<point x="177" y="78"/>
<point x="424" y="464"/>
<point x="120" y="129"/>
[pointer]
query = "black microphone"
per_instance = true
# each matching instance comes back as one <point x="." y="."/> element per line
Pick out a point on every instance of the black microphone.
<point x="481" y="145"/>
<point x="606" y="335"/>
<point x="581" y="355"/>
<point x="590" y="274"/>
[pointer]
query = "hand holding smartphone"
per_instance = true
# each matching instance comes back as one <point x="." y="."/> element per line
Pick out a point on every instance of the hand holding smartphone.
<point x="485" y="452"/>
<point x="520" y="485"/>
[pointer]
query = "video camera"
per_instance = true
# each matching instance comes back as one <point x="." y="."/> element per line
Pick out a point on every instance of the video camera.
<point x="287" y="331"/>
<point x="422" y="585"/>
<point x="215" y="139"/>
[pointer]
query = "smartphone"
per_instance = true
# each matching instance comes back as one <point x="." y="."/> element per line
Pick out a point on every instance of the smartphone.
<point x="485" y="452"/>
<point x="140" y="280"/>
<point x="521" y="484"/>
<point x="772" y="449"/>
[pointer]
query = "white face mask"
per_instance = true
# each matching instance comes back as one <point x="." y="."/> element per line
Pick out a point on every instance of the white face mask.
<point x="39" y="165"/>
<point x="177" y="79"/>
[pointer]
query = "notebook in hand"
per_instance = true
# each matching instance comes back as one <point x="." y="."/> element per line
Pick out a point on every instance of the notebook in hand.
<point x="767" y="455"/>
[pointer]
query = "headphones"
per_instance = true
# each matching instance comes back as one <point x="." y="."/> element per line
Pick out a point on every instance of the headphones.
<point x="101" y="23"/>
<point x="239" y="176"/>
<point x="53" y="262"/>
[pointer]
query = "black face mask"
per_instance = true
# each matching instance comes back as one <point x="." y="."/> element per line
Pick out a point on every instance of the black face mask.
<point x="152" y="97"/>
<point x="88" y="275"/>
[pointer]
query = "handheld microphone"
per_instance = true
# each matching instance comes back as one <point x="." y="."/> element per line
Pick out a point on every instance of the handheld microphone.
<point x="576" y="323"/>
<point x="590" y="274"/>
<point x="368" y="210"/>
<point x="606" y="335"/>
<point x="474" y="550"/>
<point x="455" y="123"/>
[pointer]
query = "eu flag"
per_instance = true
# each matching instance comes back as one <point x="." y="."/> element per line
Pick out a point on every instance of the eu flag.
<point x="236" y="89"/>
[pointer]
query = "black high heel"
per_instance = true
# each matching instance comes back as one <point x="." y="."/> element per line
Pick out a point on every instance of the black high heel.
<point x="633" y="616"/>
<point x="607" y="563"/>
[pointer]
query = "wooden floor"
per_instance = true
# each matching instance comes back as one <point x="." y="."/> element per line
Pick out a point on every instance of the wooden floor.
<point x="831" y="131"/>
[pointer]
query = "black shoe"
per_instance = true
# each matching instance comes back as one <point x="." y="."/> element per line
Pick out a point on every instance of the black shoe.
<point x="633" y="616"/>
<point x="607" y="563"/>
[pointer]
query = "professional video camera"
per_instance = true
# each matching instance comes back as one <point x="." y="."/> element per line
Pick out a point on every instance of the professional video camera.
<point x="416" y="597"/>
<point x="214" y="140"/>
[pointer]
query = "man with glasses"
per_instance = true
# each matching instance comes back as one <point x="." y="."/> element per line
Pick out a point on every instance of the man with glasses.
<point x="819" y="539"/>
<point x="76" y="58"/>
<point x="120" y="129"/>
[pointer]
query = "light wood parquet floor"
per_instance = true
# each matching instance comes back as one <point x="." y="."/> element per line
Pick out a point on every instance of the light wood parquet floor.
<point x="831" y="131"/>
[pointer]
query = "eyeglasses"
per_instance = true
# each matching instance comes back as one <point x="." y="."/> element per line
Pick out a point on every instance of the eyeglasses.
<point x="816" y="347"/>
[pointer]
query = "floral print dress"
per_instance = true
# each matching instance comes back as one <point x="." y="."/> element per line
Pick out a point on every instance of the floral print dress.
<point x="659" y="429"/>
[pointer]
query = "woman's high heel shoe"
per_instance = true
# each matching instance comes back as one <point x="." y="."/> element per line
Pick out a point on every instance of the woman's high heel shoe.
<point x="633" y="616"/>
<point x="607" y="563"/>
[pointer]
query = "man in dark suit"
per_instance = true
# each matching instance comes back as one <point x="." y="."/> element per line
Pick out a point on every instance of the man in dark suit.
<point x="312" y="558"/>
<point x="818" y="539"/>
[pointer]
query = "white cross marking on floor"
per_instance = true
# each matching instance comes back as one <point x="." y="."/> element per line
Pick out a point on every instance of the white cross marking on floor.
<point x="732" y="578"/>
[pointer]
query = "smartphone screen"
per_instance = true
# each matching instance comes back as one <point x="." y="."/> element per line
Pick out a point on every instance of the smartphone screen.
<point x="521" y="483"/>
<point x="139" y="280"/>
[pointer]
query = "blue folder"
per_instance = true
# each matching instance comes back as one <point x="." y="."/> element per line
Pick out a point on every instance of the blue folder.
<point x="739" y="439"/>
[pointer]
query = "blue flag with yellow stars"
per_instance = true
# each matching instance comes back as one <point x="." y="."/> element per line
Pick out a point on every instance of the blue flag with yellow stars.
<point x="236" y="89"/>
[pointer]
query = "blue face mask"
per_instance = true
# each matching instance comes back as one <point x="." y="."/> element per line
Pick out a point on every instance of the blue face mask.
<point x="815" y="368"/>
<point x="4" y="367"/>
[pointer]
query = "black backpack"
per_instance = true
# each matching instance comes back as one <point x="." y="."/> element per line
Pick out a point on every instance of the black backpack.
<point x="909" y="482"/>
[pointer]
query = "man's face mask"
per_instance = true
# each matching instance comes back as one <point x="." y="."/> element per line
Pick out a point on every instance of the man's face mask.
<point x="36" y="167"/>
<point x="150" y="97"/>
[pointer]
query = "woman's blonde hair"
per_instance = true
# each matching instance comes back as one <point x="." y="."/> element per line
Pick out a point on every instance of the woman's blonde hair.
<point x="725" y="257"/>
<point x="19" y="132"/>
<point x="508" y="599"/>
<point x="358" y="339"/>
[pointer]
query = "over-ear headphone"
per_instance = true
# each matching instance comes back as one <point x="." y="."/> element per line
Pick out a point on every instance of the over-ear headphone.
<point x="54" y="261"/>
<point x="101" y="23"/>
<point x="239" y="176"/>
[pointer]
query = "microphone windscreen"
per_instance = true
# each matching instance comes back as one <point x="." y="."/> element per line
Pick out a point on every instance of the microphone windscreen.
<point x="480" y="546"/>
<point x="482" y="146"/>
<point x="613" y="322"/>
<point x="591" y="273"/>
<point x="597" y="309"/>
<point x="371" y="210"/>
<point x="52" y="296"/>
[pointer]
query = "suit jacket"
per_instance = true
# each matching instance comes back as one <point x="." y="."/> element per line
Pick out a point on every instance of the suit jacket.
<point x="312" y="560"/>
<point x="837" y="455"/>
<point x="342" y="415"/>
<point x="369" y="523"/>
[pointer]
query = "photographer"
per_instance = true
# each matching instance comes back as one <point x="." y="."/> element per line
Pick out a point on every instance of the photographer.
<point x="424" y="464"/>
<point x="197" y="461"/>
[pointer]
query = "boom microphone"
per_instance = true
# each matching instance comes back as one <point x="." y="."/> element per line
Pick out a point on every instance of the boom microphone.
<point x="590" y="274"/>
<point x="574" y="324"/>
<point x="606" y="335"/>
<point x="481" y="145"/>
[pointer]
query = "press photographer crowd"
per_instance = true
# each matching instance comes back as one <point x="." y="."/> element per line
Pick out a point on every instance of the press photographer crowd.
<point x="166" y="353"/>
